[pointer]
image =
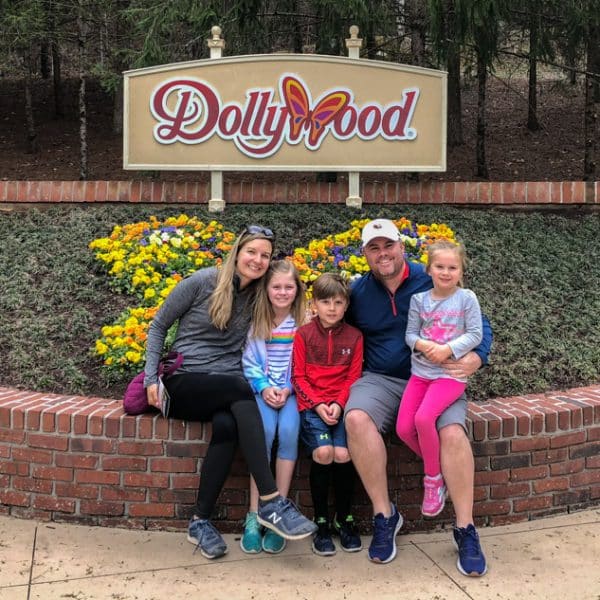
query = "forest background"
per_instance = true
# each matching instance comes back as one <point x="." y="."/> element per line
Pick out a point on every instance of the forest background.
<point x="523" y="101"/>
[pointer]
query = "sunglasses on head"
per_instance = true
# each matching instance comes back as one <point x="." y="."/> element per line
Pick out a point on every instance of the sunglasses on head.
<point x="258" y="230"/>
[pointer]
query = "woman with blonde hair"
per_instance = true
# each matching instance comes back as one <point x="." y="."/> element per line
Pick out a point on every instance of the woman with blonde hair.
<point x="213" y="308"/>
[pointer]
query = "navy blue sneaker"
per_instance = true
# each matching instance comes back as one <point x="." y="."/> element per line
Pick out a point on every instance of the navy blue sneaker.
<point x="281" y="516"/>
<point x="471" y="561"/>
<point x="383" y="545"/>
<point x="349" y="539"/>
<point x="207" y="539"/>
<point x="322" y="543"/>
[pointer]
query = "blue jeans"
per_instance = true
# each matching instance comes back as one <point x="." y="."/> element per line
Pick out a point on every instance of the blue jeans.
<point x="284" y="421"/>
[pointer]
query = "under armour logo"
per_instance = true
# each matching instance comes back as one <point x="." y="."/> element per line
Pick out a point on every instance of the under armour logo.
<point x="346" y="351"/>
<point x="324" y="436"/>
<point x="274" y="518"/>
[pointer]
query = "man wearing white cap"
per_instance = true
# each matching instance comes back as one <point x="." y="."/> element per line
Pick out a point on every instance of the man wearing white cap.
<point x="379" y="306"/>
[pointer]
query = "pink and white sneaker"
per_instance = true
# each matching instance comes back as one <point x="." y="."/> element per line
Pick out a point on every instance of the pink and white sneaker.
<point x="434" y="497"/>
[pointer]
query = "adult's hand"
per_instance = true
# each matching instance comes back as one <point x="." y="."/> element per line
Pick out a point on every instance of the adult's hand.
<point x="152" y="394"/>
<point x="463" y="367"/>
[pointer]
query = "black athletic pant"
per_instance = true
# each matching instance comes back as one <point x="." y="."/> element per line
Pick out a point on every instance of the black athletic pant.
<point x="228" y="402"/>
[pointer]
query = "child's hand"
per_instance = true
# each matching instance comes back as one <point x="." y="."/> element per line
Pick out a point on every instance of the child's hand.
<point x="336" y="411"/>
<point x="272" y="397"/>
<point x="438" y="353"/>
<point x="325" y="412"/>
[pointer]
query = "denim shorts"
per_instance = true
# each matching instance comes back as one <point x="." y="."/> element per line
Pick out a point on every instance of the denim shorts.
<point x="314" y="432"/>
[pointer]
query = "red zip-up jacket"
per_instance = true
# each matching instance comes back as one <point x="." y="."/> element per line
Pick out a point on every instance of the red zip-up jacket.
<point x="325" y="363"/>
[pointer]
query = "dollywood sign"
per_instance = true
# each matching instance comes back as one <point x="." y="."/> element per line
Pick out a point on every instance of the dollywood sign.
<point x="285" y="112"/>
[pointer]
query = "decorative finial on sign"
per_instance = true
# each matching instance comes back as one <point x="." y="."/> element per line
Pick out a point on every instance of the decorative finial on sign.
<point x="353" y="43"/>
<point x="216" y="43"/>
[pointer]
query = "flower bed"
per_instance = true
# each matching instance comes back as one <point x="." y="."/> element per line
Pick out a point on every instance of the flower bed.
<point x="147" y="259"/>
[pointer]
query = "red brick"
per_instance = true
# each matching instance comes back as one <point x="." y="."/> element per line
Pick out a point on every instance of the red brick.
<point x="120" y="463"/>
<point x="32" y="456"/>
<point x="491" y="508"/>
<point x="71" y="490"/>
<point x="510" y="490"/>
<point x="520" y="193"/>
<point x="145" y="480"/>
<point x="52" y="442"/>
<point x="113" y="493"/>
<point x="549" y="456"/>
<point x="140" y="448"/>
<point x="593" y="434"/>
<point x="14" y="468"/>
<point x="522" y="445"/>
<point x="14" y="498"/>
<point x="585" y="478"/>
<point x="526" y="504"/>
<point x="592" y="462"/>
<point x="94" y="445"/>
<point x="56" y="473"/>
<point x="496" y="521"/>
<point x="173" y="465"/>
<point x="185" y="481"/>
<point x="542" y="486"/>
<point x="52" y="503"/>
<point x="12" y="437"/>
<point x="491" y="477"/>
<point x="92" y="507"/>
<point x="570" y="439"/>
<point x="99" y="477"/>
<point x="38" y="486"/>
<point x="528" y="473"/>
<point x="568" y="466"/>
<point x="151" y="510"/>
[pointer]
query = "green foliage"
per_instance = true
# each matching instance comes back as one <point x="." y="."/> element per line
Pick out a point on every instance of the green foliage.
<point x="537" y="276"/>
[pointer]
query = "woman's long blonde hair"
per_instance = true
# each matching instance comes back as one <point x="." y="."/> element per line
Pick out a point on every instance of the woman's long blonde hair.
<point x="262" y="319"/>
<point x="221" y="300"/>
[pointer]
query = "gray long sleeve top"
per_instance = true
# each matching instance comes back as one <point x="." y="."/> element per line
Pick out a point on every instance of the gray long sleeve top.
<point x="205" y="348"/>
<point x="455" y="321"/>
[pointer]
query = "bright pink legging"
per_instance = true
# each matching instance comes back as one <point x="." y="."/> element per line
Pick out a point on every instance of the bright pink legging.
<point x="423" y="401"/>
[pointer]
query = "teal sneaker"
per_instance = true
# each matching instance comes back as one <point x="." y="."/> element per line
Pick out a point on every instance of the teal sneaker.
<point x="252" y="539"/>
<point x="273" y="543"/>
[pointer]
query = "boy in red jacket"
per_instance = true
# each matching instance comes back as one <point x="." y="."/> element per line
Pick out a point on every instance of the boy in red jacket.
<point x="326" y="360"/>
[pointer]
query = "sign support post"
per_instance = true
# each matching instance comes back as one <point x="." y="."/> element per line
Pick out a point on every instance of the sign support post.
<point x="216" y="203"/>
<point x="354" y="44"/>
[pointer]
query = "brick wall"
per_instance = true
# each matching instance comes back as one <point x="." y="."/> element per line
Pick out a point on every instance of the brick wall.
<point x="253" y="192"/>
<point x="78" y="459"/>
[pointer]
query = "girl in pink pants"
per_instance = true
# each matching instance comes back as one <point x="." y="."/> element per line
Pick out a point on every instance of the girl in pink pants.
<point x="444" y="323"/>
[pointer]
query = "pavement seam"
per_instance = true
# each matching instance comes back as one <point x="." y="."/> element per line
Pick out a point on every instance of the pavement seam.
<point x="35" y="531"/>
<point x="450" y="577"/>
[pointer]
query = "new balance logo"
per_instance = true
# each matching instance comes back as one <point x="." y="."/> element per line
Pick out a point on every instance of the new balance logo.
<point x="274" y="518"/>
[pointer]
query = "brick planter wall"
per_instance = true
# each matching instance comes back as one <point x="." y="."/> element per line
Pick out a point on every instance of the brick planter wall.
<point x="78" y="459"/>
<point x="289" y="192"/>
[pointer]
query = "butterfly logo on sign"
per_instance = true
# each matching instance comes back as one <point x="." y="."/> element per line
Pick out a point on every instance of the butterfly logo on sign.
<point x="307" y="119"/>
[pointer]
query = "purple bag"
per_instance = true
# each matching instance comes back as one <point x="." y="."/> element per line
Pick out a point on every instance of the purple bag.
<point x="135" y="401"/>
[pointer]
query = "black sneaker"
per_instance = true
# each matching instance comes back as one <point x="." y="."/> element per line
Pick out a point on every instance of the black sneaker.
<point x="349" y="539"/>
<point x="322" y="543"/>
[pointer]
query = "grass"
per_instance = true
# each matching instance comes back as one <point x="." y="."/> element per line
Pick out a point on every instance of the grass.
<point x="537" y="275"/>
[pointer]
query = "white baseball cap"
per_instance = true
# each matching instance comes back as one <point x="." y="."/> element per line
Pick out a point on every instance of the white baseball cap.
<point x="379" y="228"/>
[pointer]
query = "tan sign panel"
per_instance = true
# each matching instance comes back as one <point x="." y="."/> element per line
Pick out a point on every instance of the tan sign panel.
<point x="285" y="112"/>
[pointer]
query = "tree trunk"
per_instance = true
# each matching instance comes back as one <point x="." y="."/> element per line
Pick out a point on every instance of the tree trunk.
<point x="416" y="25"/>
<point x="454" y="125"/>
<point x="32" y="142"/>
<point x="532" y="120"/>
<point x="590" y="120"/>
<point x="481" y="170"/>
<point x="45" y="59"/>
<point x="83" y="145"/>
<point x="59" y="110"/>
<point x="118" y="109"/>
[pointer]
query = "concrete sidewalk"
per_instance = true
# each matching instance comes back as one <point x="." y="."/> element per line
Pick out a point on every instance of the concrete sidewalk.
<point x="550" y="558"/>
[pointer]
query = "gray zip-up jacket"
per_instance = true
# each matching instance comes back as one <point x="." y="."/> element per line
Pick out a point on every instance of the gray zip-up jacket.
<point x="205" y="348"/>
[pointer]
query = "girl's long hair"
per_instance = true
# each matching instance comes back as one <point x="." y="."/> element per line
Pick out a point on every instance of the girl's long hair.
<point x="221" y="300"/>
<point x="262" y="319"/>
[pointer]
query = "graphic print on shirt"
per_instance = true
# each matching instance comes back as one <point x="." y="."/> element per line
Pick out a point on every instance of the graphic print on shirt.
<point x="436" y="329"/>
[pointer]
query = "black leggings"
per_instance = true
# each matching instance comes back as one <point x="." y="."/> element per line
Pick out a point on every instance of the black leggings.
<point x="228" y="402"/>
